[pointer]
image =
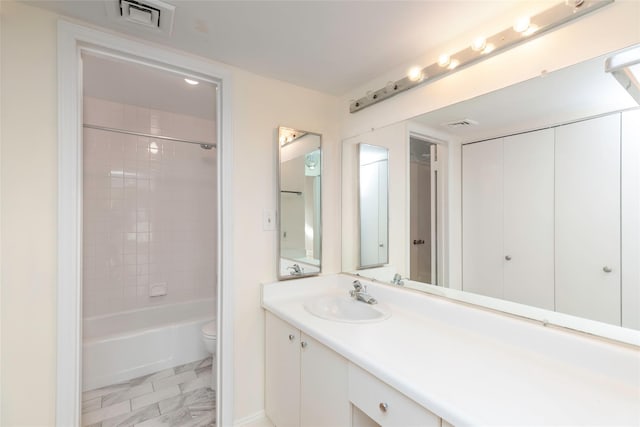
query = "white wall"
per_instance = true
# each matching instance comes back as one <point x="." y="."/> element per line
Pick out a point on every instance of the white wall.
<point x="149" y="209"/>
<point x="29" y="190"/>
<point x="29" y="197"/>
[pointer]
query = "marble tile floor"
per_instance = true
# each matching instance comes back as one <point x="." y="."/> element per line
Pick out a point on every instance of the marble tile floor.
<point x="179" y="396"/>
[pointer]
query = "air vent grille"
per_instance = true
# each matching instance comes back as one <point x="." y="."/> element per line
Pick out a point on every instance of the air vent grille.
<point x="150" y="14"/>
<point x="140" y="13"/>
<point x="463" y="123"/>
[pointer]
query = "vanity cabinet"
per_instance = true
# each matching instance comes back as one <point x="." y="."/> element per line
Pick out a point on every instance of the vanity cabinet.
<point x="306" y="382"/>
<point x="384" y="405"/>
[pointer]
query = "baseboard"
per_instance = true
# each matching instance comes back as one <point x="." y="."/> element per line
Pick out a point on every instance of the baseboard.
<point x="258" y="419"/>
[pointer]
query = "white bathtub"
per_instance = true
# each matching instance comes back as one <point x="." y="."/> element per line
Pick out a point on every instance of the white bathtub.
<point x="129" y="344"/>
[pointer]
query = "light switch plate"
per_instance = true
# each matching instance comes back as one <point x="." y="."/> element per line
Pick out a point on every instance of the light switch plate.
<point x="268" y="220"/>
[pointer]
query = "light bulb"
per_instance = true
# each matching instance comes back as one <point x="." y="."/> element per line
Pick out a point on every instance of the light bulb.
<point x="532" y="29"/>
<point x="488" y="49"/>
<point x="453" y="64"/>
<point x="522" y="24"/>
<point x="415" y="74"/>
<point x="191" y="82"/>
<point x="444" y="60"/>
<point x="478" y="44"/>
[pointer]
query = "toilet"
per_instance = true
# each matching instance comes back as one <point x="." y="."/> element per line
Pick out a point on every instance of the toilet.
<point x="209" y="339"/>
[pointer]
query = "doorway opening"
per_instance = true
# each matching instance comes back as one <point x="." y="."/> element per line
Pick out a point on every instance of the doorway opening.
<point x="192" y="195"/>
<point x="425" y="205"/>
<point x="149" y="285"/>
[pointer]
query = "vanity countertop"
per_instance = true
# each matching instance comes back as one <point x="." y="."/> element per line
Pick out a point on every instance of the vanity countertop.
<point x="473" y="366"/>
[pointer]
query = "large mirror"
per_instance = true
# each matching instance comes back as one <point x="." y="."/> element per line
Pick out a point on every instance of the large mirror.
<point x="299" y="203"/>
<point x="530" y="201"/>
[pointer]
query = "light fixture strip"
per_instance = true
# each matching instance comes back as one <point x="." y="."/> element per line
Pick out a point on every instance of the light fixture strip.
<point x="541" y="23"/>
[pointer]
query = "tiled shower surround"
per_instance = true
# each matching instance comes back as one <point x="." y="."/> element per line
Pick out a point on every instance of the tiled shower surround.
<point x="149" y="209"/>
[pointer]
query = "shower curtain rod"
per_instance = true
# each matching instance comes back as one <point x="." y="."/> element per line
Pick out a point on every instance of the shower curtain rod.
<point x="148" y="135"/>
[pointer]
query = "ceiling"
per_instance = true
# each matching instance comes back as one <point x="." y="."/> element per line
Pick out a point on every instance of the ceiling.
<point x="136" y="84"/>
<point x="329" y="46"/>
<point x="572" y="93"/>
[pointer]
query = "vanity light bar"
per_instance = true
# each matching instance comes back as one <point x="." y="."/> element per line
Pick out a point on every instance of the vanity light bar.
<point x="523" y="30"/>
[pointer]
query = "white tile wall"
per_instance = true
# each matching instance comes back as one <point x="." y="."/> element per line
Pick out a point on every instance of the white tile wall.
<point x="149" y="209"/>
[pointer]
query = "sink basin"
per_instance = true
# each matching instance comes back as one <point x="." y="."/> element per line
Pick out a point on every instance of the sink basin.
<point x="346" y="309"/>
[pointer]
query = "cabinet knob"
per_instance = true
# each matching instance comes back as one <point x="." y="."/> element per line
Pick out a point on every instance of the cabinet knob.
<point x="607" y="269"/>
<point x="303" y="344"/>
<point x="291" y="337"/>
<point x="508" y="257"/>
<point x="383" y="406"/>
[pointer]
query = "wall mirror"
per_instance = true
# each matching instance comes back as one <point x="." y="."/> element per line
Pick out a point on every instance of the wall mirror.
<point x="373" y="207"/>
<point x="299" y="203"/>
<point x="534" y="204"/>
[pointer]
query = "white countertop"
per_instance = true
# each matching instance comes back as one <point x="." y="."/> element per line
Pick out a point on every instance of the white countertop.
<point x="472" y="366"/>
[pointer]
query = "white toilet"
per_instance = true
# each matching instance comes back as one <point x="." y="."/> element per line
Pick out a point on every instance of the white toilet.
<point x="209" y="339"/>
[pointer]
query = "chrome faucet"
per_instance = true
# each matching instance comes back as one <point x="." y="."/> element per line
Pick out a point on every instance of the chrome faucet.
<point x="397" y="280"/>
<point x="359" y="293"/>
<point x="294" y="270"/>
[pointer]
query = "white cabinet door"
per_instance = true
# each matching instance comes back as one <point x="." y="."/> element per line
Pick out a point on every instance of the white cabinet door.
<point x="630" y="194"/>
<point x="282" y="377"/>
<point x="482" y="210"/>
<point x="587" y="199"/>
<point x="324" y="386"/>
<point x="528" y="218"/>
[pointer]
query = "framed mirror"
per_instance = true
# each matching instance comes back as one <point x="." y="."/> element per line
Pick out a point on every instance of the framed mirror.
<point x="299" y="203"/>
<point x="522" y="223"/>
<point x="373" y="205"/>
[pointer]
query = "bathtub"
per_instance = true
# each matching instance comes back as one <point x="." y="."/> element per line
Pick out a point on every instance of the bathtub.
<point x="126" y="345"/>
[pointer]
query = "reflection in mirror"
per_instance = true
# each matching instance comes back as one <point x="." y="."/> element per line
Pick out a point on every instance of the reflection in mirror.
<point x="543" y="201"/>
<point x="423" y="205"/>
<point x="373" y="186"/>
<point x="299" y="203"/>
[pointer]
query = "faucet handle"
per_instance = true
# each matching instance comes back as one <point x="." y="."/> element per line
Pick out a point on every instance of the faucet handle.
<point x="357" y="285"/>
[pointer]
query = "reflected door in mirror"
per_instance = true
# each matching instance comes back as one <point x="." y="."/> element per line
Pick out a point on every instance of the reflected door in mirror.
<point x="373" y="182"/>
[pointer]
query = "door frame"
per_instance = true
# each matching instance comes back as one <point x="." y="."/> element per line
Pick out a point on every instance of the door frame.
<point x="72" y="40"/>
<point x="442" y="260"/>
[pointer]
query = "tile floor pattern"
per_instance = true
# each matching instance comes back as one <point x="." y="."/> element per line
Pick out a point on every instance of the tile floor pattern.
<point x="179" y="396"/>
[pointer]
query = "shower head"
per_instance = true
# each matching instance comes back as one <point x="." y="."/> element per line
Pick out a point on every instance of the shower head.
<point x="206" y="146"/>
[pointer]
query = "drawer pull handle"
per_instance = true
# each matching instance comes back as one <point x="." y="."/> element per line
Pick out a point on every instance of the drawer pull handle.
<point x="291" y="337"/>
<point x="383" y="407"/>
<point x="303" y="344"/>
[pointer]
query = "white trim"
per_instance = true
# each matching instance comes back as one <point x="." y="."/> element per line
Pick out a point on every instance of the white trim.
<point x="72" y="39"/>
<point x="258" y="419"/>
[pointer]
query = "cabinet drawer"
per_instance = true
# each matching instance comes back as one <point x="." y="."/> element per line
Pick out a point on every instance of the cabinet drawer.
<point x="385" y="405"/>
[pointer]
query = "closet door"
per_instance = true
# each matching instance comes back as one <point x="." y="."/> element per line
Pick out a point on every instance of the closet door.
<point x="587" y="199"/>
<point x="482" y="205"/>
<point x="528" y="218"/>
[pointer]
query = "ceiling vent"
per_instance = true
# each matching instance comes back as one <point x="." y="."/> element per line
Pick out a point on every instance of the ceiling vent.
<point x="458" y="124"/>
<point x="151" y="14"/>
